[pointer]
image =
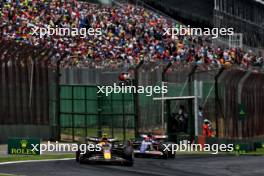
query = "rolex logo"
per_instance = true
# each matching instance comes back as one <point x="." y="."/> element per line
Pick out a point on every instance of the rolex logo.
<point x="24" y="143"/>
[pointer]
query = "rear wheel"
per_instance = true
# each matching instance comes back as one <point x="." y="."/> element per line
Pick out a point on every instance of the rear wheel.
<point x="128" y="153"/>
<point x="77" y="156"/>
<point x="162" y="149"/>
<point x="165" y="155"/>
<point x="129" y="158"/>
<point x="80" y="157"/>
<point x="171" y="155"/>
<point x="81" y="160"/>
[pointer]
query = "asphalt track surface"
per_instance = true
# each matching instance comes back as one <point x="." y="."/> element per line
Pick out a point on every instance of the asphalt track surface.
<point x="181" y="166"/>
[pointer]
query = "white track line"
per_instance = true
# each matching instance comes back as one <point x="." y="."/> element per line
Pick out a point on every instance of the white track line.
<point x="34" y="161"/>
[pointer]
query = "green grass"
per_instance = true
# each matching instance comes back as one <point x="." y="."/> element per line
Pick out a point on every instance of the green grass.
<point x="92" y="132"/>
<point x="29" y="157"/>
<point x="255" y="153"/>
<point x="258" y="152"/>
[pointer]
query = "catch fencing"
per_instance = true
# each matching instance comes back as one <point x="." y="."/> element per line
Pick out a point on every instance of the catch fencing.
<point x="30" y="104"/>
<point x="220" y="101"/>
<point x="86" y="112"/>
<point x="25" y="80"/>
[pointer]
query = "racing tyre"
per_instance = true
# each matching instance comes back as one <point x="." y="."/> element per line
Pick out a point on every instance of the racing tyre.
<point x="165" y="155"/>
<point x="128" y="154"/>
<point x="162" y="149"/>
<point x="81" y="161"/>
<point x="77" y="156"/>
<point x="172" y="155"/>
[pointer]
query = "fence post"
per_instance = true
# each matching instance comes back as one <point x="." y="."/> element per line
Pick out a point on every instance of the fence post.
<point x="1" y="91"/>
<point x="2" y="50"/>
<point x="136" y="100"/>
<point x="217" y="100"/>
<point x="124" y="117"/>
<point x="191" y="119"/>
<point x="58" y="98"/>
<point x="164" y="71"/>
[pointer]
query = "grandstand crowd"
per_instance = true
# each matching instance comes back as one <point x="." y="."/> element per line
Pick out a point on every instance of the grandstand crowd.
<point x="129" y="34"/>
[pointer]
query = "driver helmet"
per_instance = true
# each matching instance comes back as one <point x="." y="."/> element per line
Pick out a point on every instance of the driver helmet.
<point x="104" y="138"/>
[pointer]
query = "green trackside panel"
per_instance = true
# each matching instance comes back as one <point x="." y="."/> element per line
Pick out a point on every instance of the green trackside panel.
<point x="106" y="120"/>
<point x="105" y="104"/>
<point x="129" y="107"/>
<point x="117" y="96"/>
<point x="106" y="98"/>
<point x="66" y="92"/>
<point x="118" y="122"/>
<point x="91" y="121"/>
<point x="66" y="106"/>
<point x="82" y="108"/>
<point x="131" y="122"/>
<point x="79" y="92"/>
<point x="79" y="106"/>
<point x="92" y="106"/>
<point x="79" y="121"/>
<point x="128" y="96"/>
<point x="66" y="121"/>
<point x="91" y="93"/>
<point x="117" y="107"/>
<point x="106" y="109"/>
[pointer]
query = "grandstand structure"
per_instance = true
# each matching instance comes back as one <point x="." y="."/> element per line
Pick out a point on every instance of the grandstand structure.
<point x="198" y="13"/>
<point x="245" y="16"/>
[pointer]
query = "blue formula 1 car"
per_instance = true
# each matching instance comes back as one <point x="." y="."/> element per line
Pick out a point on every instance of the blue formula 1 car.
<point x="152" y="146"/>
<point x="109" y="152"/>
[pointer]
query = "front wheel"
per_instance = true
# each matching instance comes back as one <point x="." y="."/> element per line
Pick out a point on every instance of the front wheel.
<point x="128" y="154"/>
<point x="171" y="155"/>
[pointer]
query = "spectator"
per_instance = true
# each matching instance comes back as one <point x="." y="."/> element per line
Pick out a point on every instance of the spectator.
<point x="129" y="34"/>
<point x="207" y="128"/>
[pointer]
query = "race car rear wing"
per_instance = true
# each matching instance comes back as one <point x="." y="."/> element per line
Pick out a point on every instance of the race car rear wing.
<point x="96" y="139"/>
<point x="155" y="136"/>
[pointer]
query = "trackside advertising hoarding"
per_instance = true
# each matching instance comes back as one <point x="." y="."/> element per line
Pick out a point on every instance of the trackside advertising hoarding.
<point x="23" y="146"/>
